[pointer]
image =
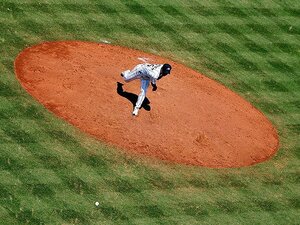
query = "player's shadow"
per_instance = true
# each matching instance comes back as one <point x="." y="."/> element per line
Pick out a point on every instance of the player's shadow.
<point x="132" y="97"/>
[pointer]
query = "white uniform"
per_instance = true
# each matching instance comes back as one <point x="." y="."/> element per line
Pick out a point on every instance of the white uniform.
<point x="146" y="73"/>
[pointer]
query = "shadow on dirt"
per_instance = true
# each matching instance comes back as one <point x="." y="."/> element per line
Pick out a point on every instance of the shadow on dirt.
<point x="132" y="97"/>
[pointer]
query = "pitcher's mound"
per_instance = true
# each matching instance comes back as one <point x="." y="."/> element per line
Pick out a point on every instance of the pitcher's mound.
<point x="191" y="119"/>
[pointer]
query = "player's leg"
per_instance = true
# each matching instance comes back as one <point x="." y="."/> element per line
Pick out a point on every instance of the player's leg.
<point x="133" y="74"/>
<point x="141" y="97"/>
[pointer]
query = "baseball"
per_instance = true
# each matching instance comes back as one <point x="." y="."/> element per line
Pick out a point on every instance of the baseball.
<point x="97" y="203"/>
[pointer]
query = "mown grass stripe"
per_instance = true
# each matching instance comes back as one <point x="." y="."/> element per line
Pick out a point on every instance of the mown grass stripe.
<point x="242" y="11"/>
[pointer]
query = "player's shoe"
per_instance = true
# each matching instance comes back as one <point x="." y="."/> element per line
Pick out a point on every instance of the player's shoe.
<point x="124" y="72"/>
<point x="135" y="111"/>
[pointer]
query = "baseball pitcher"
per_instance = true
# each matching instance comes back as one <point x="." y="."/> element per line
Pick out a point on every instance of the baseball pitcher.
<point x="147" y="73"/>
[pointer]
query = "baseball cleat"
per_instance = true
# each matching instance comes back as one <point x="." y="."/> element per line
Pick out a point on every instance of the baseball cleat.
<point x="124" y="73"/>
<point x="135" y="111"/>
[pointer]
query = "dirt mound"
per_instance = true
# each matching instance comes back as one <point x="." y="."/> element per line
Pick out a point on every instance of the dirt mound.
<point x="190" y="119"/>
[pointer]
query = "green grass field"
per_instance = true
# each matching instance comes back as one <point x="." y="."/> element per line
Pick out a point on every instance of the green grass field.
<point x="51" y="173"/>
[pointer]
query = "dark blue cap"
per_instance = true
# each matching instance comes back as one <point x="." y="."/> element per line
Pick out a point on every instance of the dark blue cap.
<point x="166" y="69"/>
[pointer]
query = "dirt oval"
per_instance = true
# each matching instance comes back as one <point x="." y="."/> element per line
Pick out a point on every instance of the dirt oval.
<point x="190" y="119"/>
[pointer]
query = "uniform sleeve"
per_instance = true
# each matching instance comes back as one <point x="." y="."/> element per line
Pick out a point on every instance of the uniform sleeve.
<point x="154" y="72"/>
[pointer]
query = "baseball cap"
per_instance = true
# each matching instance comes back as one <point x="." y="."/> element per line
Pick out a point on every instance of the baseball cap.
<point x="166" y="69"/>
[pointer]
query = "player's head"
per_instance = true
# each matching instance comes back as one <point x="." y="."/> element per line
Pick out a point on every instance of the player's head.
<point x="165" y="70"/>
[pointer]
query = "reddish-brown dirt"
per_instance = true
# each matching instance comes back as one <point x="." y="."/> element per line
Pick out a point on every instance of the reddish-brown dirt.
<point x="193" y="120"/>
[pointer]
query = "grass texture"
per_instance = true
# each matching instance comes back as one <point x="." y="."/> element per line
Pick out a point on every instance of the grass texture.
<point x="51" y="173"/>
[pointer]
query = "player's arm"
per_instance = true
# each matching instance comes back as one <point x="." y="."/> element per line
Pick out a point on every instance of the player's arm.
<point x="154" y="86"/>
<point x="151" y="74"/>
<point x="153" y="83"/>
